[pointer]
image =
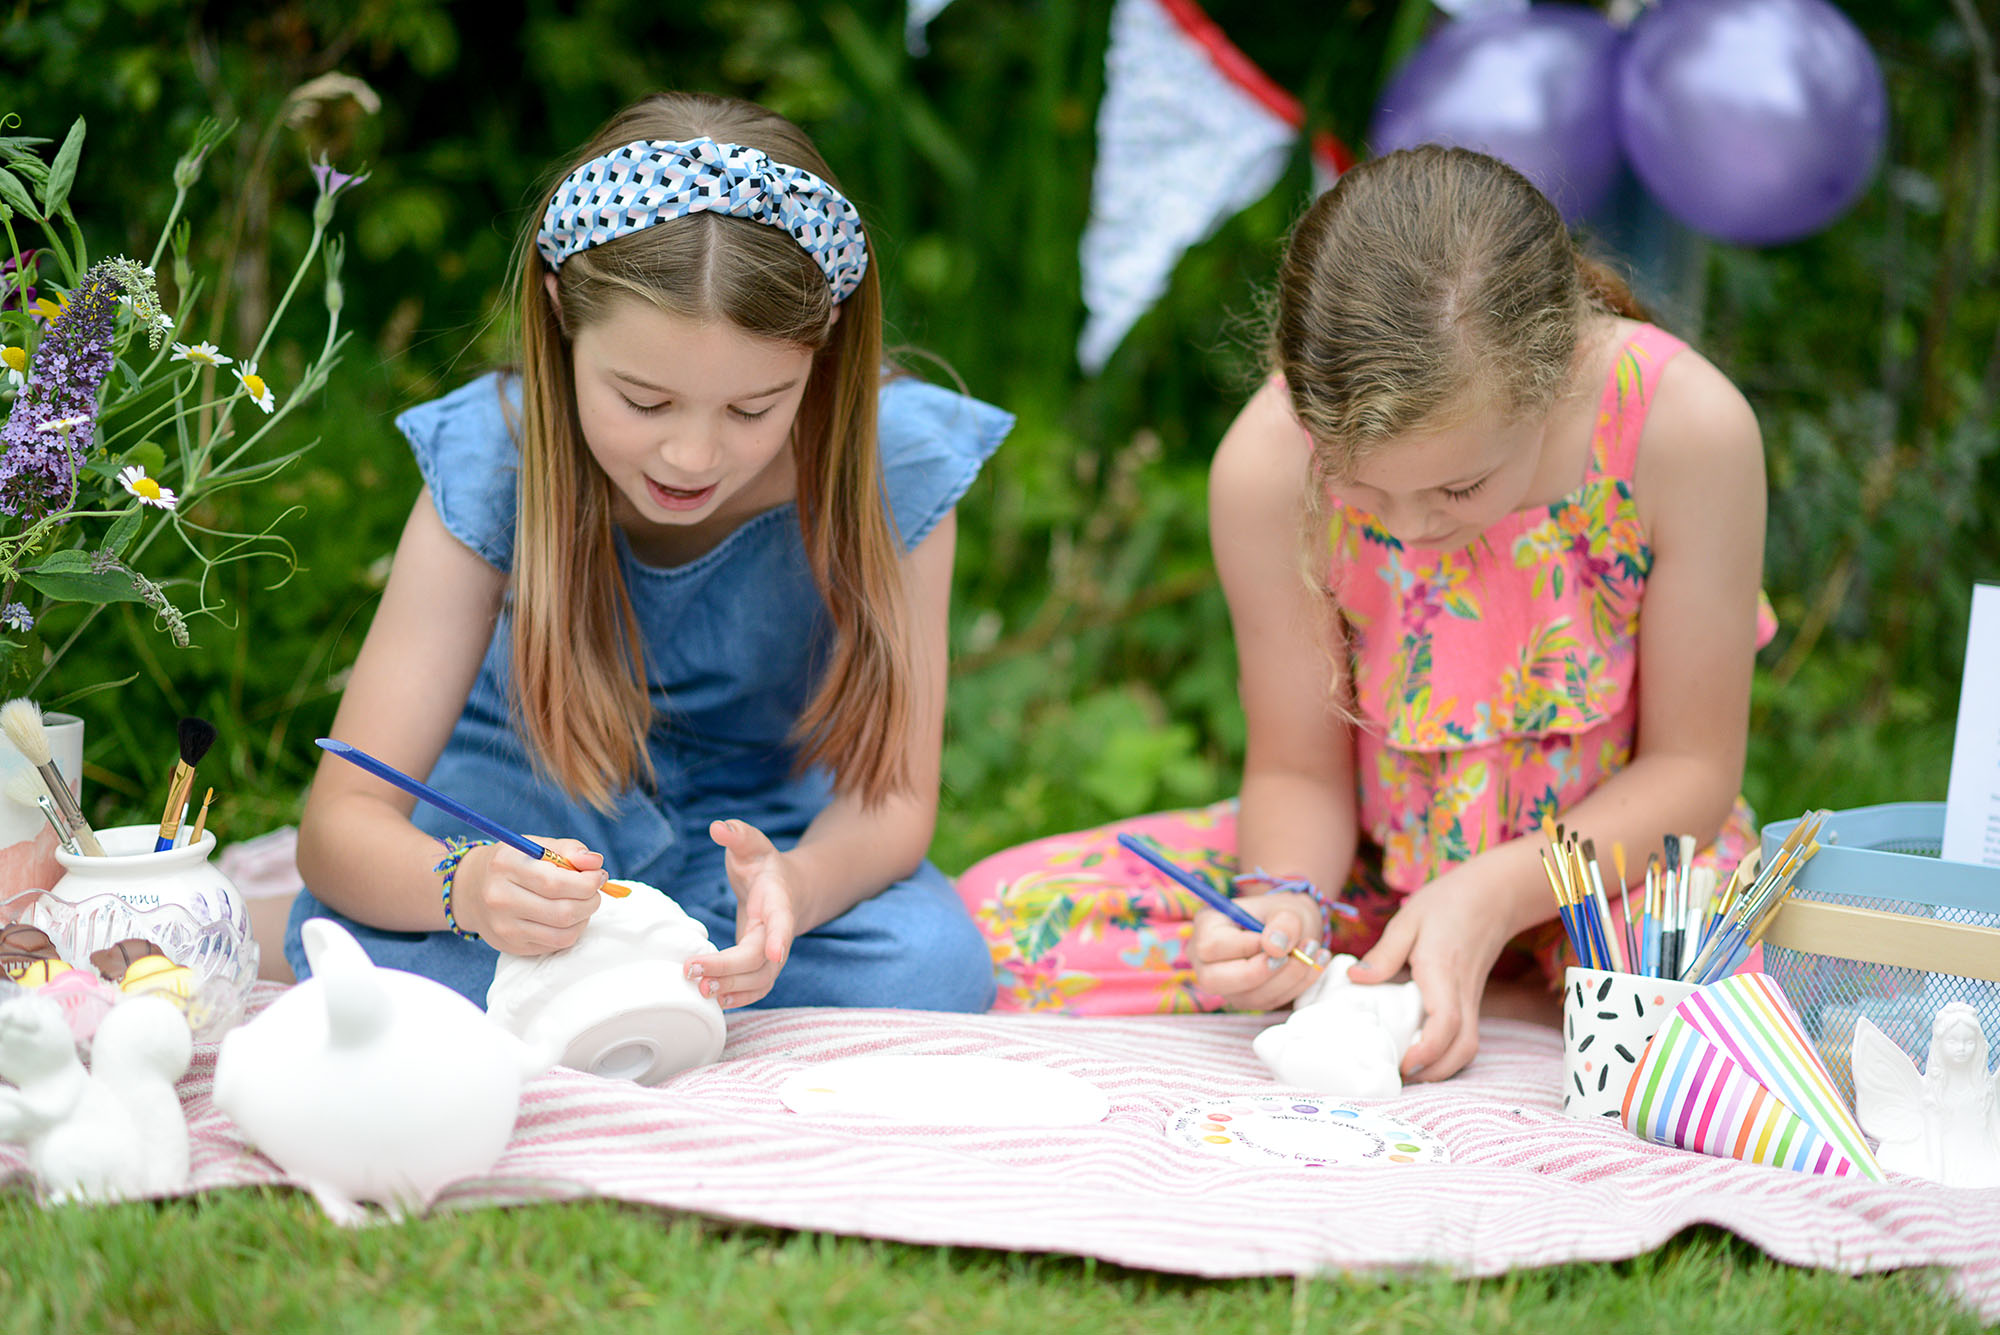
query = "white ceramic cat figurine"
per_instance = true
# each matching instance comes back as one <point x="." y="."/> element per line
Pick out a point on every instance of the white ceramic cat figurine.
<point x="113" y="1132"/>
<point x="617" y="1003"/>
<point x="370" y="1084"/>
<point x="1345" y="1038"/>
<point x="1943" y="1124"/>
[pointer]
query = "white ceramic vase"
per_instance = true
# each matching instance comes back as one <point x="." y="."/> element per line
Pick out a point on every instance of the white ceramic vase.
<point x="176" y="899"/>
<point x="27" y="844"/>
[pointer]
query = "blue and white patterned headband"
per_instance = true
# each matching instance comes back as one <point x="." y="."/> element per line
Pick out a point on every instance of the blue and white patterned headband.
<point x="655" y="180"/>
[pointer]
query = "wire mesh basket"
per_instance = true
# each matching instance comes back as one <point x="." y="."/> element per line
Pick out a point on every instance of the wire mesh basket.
<point x="1878" y="926"/>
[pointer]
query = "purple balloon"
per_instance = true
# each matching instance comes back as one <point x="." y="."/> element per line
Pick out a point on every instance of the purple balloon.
<point x="1536" y="88"/>
<point x="1756" y="121"/>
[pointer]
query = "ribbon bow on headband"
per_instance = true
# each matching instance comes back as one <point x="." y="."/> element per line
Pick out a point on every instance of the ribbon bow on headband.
<point x="655" y="180"/>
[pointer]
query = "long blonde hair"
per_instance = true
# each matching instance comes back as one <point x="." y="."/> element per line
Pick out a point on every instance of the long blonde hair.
<point x="1424" y="282"/>
<point x="579" y="684"/>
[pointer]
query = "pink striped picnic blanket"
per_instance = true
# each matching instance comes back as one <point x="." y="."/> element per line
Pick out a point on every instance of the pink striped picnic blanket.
<point x="1526" y="1185"/>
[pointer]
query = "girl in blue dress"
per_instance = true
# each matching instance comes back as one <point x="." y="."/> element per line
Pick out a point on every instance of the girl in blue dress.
<point x="672" y="600"/>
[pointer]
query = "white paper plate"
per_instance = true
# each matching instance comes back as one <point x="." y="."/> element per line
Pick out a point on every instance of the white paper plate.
<point x="946" y="1091"/>
<point x="1304" y="1132"/>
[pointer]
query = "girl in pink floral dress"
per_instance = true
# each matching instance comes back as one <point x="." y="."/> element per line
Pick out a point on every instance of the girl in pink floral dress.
<point x="1492" y="548"/>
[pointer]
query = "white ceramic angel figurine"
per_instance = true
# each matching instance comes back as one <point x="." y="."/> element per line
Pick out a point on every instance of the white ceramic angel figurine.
<point x="1943" y="1124"/>
<point x="103" y="1135"/>
<point x="1345" y="1038"/>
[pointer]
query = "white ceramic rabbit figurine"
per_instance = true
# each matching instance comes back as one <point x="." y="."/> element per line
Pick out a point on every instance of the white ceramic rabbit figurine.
<point x="114" y="1132"/>
<point x="1344" y="1038"/>
<point x="370" y="1084"/>
<point x="1943" y="1124"/>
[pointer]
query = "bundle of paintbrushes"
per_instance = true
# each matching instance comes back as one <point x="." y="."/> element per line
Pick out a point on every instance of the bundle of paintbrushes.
<point x="1685" y="928"/>
<point x="195" y="736"/>
<point x="21" y="721"/>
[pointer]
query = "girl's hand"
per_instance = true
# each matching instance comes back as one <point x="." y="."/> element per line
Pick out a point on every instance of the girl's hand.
<point x="522" y="905"/>
<point x="1249" y="971"/>
<point x="766" y="910"/>
<point x="1449" y="933"/>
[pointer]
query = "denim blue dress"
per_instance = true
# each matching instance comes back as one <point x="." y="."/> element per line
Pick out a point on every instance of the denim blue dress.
<point x="732" y="639"/>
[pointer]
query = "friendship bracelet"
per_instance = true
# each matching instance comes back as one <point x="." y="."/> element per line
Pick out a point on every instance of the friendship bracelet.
<point x="1299" y="885"/>
<point x="455" y="851"/>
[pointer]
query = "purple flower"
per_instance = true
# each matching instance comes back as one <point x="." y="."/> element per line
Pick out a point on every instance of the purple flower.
<point x="12" y="293"/>
<point x="331" y="179"/>
<point x="15" y="616"/>
<point x="331" y="182"/>
<point x="39" y="466"/>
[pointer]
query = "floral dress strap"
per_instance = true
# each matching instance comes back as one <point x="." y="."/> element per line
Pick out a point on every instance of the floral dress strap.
<point x="1628" y="393"/>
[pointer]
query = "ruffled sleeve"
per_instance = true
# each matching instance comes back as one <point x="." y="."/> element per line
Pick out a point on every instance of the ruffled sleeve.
<point x="466" y="451"/>
<point x="934" y="442"/>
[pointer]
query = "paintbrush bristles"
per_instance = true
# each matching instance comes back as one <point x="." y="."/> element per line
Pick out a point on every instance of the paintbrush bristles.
<point x="21" y="720"/>
<point x="195" y="736"/>
<point x="25" y="787"/>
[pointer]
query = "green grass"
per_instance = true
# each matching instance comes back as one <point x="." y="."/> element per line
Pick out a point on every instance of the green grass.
<point x="256" y="1260"/>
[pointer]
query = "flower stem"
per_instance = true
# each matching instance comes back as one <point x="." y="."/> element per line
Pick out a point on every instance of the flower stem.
<point x="298" y="275"/>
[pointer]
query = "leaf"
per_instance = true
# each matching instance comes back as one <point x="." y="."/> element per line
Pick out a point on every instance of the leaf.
<point x="16" y="195"/>
<point x="63" y="171"/>
<point x="63" y="702"/>
<point x="148" y="455"/>
<point x="69" y="561"/>
<point x="88" y="587"/>
<point x="123" y="530"/>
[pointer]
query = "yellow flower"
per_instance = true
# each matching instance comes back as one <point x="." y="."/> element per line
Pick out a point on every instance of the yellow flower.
<point x="201" y="354"/>
<point x="49" y="310"/>
<point x="149" y="492"/>
<point x="15" y="360"/>
<point x="254" y="386"/>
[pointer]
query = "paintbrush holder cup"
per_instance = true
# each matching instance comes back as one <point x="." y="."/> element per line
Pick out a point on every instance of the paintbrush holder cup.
<point x="177" y="899"/>
<point x="1608" y="1019"/>
<point x="27" y="844"/>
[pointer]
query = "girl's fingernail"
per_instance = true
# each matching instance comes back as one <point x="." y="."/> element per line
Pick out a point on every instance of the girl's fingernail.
<point x="725" y="1002"/>
<point x="694" y="973"/>
<point x="1282" y="941"/>
<point x="1273" y="963"/>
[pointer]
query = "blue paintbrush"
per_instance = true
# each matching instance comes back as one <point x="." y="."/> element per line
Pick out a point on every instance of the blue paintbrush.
<point x="450" y="806"/>
<point x="1208" y="894"/>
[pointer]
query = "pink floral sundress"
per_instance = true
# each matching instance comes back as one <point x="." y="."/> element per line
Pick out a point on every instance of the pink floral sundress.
<point x="1493" y="683"/>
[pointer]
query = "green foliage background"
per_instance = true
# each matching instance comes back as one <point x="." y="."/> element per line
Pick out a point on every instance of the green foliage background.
<point x="1094" y="672"/>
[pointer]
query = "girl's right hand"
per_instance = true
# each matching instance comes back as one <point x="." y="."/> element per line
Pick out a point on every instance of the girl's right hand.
<point x="1250" y="971"/>
<point x="524" y="906"/>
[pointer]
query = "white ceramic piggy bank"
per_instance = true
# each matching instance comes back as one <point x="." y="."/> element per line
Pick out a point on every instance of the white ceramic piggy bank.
<point x="370" y="1084"/>
<point x="616" y="1003"/>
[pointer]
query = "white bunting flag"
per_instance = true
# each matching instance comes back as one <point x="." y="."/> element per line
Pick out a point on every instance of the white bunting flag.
<point x="1190" y="133"/>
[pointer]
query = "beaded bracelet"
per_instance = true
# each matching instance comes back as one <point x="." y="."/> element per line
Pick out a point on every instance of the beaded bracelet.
<point x="1299" y="885"/>
<point x="455" y="850"/>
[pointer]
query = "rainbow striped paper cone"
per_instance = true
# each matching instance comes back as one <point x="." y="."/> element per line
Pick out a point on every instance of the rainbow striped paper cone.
<point x="1732" y="1074"/>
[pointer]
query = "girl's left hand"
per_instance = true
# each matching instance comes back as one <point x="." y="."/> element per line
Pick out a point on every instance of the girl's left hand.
<point x="1449" y="933"/>
<point x="766" y="911"/>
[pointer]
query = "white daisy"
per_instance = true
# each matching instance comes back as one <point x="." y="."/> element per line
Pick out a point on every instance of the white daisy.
<point x="254" y="386"/>
<point x="202" y="354"/>
<point x="63" y="424"/>
<point x="14" y="364"/>
<point x="133" y="478"/>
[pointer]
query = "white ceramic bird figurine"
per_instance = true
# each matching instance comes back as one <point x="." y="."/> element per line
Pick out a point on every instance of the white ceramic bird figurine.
<point x="1344" y="1038"/>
